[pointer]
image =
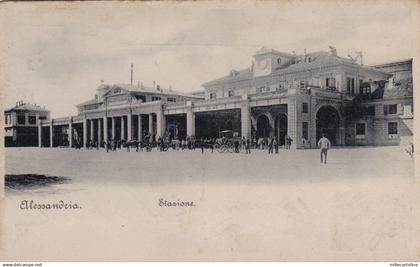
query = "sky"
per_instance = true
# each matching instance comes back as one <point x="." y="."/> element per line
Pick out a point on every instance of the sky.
<point x="56" y="54"/>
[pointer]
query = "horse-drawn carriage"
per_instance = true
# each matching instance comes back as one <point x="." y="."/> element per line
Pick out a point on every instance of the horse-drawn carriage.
<point x="228" y="141"/>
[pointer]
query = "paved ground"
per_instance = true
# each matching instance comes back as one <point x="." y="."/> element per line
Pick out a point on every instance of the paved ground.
<point x="360" y="206"/>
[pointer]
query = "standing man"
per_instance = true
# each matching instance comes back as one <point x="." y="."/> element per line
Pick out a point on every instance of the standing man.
<point x="324" y="144"/>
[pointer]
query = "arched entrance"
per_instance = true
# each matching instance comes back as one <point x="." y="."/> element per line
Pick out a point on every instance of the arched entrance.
<point x="263" y="126"/>
<point x="280" y="128"/>
<point x="328" y="123"/>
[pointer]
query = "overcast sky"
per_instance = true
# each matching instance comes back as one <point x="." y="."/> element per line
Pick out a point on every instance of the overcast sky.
<point x="56" y="55"/>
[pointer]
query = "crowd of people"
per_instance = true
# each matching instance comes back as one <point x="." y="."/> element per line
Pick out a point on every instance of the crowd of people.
<point x="272" y="145"/>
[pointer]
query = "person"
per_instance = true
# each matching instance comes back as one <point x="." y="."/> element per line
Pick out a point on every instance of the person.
<point x="276" y="146"/>
<point x="324" y="144"/>
<point x="288" y="142"/>
<point x="248" y="146"/>
<point x="270" y="146"/>
<point x="243" y="142"/>
<point x="202" y="145"/>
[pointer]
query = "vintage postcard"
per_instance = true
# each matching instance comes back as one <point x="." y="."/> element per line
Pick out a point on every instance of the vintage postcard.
<point x="209" y="131"/>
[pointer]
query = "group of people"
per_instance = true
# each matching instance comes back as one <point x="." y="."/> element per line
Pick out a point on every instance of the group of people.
<point x="190" y="142"/>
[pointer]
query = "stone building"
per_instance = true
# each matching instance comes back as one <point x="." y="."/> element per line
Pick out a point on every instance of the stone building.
<point x="21" y="124"/>
<point x="278" y="95"/>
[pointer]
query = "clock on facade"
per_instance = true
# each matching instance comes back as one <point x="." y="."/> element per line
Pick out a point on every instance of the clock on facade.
<point x="263" y="63"/>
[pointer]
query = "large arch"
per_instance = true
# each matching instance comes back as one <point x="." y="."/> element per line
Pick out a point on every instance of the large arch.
<point x="280" y="128"/>
<point x="328" y="122"/>
<point x="263" y="126"/>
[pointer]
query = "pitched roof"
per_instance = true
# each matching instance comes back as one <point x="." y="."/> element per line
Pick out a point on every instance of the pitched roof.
<point x="27" y="106"/>
<point x="402" y="88"/>
<point x="318" y="59"/>
<point x="148" y="89"/>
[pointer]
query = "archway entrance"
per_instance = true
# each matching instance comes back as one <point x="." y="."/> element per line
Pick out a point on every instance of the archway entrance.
<point x="328" y="123"/>
<point x="280" y="128"/>
<point x="263" y="126"/>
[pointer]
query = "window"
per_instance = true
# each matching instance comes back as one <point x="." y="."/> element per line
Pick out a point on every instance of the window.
<point x="42" y="117"/>
<point x="117" y="91"/>
<point x="350" y="85"/>
<point x="279" y="61"/>
<point x="32" y="120"/>
<point x="330" y="82"/>
<point x="231" y="93"/>
<point x="360" y="85"/>
<point x="212" y="95"/>
<point x="304" y="107"/>
<point x="7" y="119"/>
<point x="392" y="128"/>
<point x="156" y="98"/>
<point x="171" y="99"/>
<point x="392" y="109"/>
<point x="360" y="130"/>
<point x="302" y="84"/>
<point x="21" y="119"/>
<point x="305" y="130"/>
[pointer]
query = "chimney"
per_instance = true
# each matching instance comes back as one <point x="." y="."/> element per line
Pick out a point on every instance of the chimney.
<point x="154" y="84"/>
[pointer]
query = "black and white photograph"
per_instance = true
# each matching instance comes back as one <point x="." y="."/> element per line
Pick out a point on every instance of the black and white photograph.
<point x="209" y="131"/>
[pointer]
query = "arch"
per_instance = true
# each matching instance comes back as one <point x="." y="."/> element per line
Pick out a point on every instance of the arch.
<point x="328" y="122"/>
<point x="263" y="126"/>
<point x="280" y="128"/>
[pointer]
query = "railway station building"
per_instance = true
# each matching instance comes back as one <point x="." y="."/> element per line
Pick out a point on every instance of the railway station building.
<point x="277" y="95"/>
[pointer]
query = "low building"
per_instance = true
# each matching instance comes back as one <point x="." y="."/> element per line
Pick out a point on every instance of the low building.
<point x="21" y="124"/>
<point x="278" y="95"/>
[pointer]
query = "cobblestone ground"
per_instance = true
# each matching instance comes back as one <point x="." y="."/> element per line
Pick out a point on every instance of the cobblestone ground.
<point x="362" y="205"/>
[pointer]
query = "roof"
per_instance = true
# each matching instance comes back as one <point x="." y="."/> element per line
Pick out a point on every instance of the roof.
<point x="318" y="59"/>
<point x="89" y="102"/>
<point x="388" y="64"/>
<point x="148" y="89"/>
<point x="27" y="106"/>
<point x="403" y="88"/>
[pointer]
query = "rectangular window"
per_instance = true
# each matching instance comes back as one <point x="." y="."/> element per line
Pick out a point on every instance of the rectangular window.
<point x="304" y="107"/>
<point x="302" y="84"/>
<point x="21" y="119"/>
<point x="42" y="117"/>
<point x="32" y="120"/>
<point x="231" y="93"/>
<point x="305" y="130"/>
<point x="350" y="85"/>
<point x="360" y="130"/>
<point x="392" y="128"/>
<point x="171" y="99"/>
<point x="392" y="109"/>
<point x="212" y="95"/>
<point x="6" y="119"/>
<point x="360" y="85"/>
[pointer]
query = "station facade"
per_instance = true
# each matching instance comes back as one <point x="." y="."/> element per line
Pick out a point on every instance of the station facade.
<point x="278" y="95"/>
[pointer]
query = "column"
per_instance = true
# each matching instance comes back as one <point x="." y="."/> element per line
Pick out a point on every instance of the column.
<point x="245" y="117"/>
<point x="70" y="133"/>
<point x="140" y="129"/>
<point x="129" y="132"/>
<point x="91" y="137"/>
<point x="39" y="133"/>
<point x="151" y="123"/>
<point x="190" y="119"/>
<point x="51" y="133"/>
<point x="99" y="132"/>
<point x="113" y="127"/>
<point x="122" y="128"/>
<point x="291" y="121"/>
<point x="105" y="129"/>
<point x="84" y="132"/>
<point x="160" y="124"/>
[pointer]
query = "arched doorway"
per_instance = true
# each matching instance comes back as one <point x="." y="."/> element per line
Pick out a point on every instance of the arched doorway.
<point x="263" y="126"/>
<point x="328" y="123"/>
<point x="280" y="128"/>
